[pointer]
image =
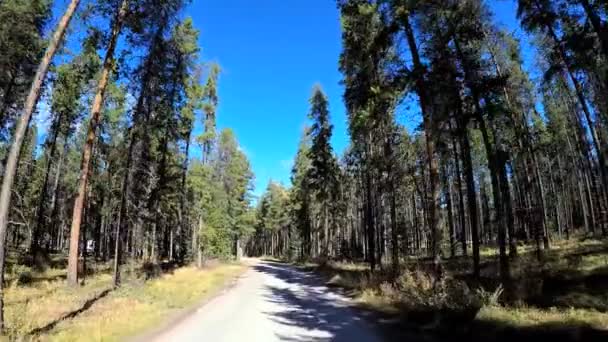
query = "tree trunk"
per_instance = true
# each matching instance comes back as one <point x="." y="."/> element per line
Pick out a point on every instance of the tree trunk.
<point x="117" y="245"/>
<point x="369" y="224"/>
<point x="543" y="204"/>
<point x="394" y="233"/>
<point x="86" y="153"/>
<point x="471" y="196"/>
<point x="448" y="196"/>
<point x="196" y="240"/>
<point x="182" y="201"/>
<point x="40" y="222"/>
<point x="54" y="208"/>
<point x="429" y="131"/>
<point x="461" y="214"/>
<point x="19" y="135"/>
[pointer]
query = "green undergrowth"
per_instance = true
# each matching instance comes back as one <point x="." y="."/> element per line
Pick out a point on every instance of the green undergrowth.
<point x="563" y="295"/>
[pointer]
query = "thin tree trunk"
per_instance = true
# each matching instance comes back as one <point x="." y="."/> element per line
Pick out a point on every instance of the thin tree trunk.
<point x="543" y="204"/>
<point x="86" y="153"/>
<point x="182" y="201"/>
<point x="463" y="225"/>
<point x="429" y="131"/>
<point x="369" y="224"/>
<point x="117" y="241"/>
<point x="471" y="197"/>
<point x="448" y="195"/>
<point x="55" y="191"/>
<point x="35" y="243"/>
<point x="394" y="233"/>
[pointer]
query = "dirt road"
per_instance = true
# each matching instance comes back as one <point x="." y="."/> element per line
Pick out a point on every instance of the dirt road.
<point x="274" y="302"/>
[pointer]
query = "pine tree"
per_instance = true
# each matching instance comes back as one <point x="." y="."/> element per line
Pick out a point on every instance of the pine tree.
<point x="96" y="108"/>
<point x="321" y="176"/>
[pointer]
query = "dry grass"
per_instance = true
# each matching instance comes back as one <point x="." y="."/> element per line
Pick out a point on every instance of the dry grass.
<point x="44" y="298"/>
<point x="526" y="316"/>
<point x="135" y="309"/>
<point x="40" y="306"/>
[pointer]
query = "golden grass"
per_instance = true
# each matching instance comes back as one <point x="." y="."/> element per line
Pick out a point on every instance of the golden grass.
<point x="35" y="305"/>
<point x="134" y="309"/>
<point x="534" y="317"/>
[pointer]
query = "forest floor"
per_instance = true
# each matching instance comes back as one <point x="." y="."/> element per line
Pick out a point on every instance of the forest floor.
<point x="39" y="305"/>
<point x="564" y="297"/>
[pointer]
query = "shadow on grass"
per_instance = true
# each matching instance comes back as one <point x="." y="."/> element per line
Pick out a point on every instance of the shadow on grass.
<point x="69" y="315"/>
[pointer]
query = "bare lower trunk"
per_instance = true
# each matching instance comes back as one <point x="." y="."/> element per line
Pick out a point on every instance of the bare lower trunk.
<point x="369" y="225"/>
<point x="394" y="233"/>
<point x="54" y="208"/>
<point x="197" y="239"/>
<point x="461" y="216"/>
<point x="239" y="250"/>
<point x="171" y="245"/>
<point x="471" y="198"/>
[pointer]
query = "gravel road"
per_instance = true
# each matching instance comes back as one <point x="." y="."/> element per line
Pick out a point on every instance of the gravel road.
<point x="274" y="302"/>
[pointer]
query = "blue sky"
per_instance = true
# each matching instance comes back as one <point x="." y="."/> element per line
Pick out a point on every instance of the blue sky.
<point x="271" y="55"/>
<point x="272" y="52"/>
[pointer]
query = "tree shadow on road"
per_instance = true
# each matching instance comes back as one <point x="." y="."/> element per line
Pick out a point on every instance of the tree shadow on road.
<point x="314" y="307"/>
<point x="310" y="305"/>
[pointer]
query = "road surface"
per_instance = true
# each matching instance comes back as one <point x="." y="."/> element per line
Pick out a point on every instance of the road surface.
<point x="274" y="302"/>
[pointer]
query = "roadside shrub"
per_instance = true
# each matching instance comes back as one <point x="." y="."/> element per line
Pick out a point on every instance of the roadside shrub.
<point x="419" y="290"/>
<point x="150" y="270"/>
<point x="490" y="298"/>
<point x="416" y="288"/>
<point x="389" y="291"/>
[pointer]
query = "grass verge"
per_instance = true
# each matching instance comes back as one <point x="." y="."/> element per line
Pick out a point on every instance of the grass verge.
<point x="49" y="311"/>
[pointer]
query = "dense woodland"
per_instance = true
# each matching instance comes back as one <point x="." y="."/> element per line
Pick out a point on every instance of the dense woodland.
<point x="499" y="160"/>
<point x="116" y="87"/>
